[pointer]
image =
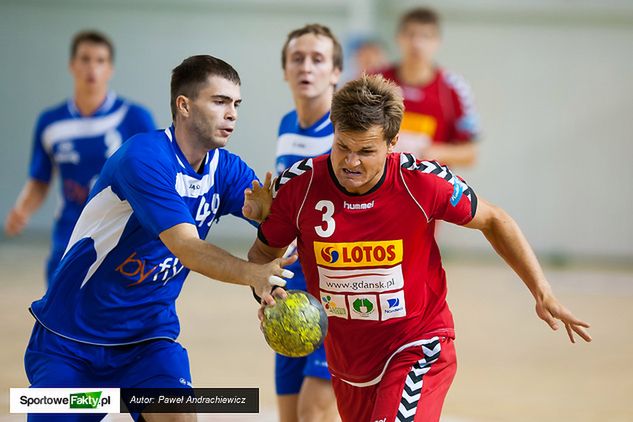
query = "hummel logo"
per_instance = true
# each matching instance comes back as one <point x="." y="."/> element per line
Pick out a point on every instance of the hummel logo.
<point x="364" y="206"/>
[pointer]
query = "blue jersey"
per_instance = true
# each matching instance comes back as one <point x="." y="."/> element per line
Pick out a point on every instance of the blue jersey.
<point x="295" y="143"/>
<point x="117" y="282"/>
<point x="77" y="147"/>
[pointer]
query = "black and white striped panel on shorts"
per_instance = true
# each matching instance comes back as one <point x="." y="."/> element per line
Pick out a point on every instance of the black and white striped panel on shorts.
<point x="414" y="381"/>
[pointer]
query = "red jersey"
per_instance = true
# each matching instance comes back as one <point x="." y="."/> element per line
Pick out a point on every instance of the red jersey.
<point x="372" y="259"/>
<point x="440" y="111"/>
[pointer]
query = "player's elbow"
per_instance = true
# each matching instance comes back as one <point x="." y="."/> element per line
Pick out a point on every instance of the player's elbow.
<point x="498" y="219"/>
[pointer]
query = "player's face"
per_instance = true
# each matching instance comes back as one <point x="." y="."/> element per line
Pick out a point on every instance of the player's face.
<point x="309" y="70"/>
<point x="419" y="41"/>
<point x="213" y="113"/>
<point x="358" y="158"/>
<point x="91" y="66"/>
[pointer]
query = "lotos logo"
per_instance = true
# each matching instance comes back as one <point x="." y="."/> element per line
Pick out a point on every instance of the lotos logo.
<point x="358" y="254"/>
<point x="329" y="255"/>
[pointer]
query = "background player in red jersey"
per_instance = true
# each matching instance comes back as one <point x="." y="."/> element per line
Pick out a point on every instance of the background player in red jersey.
<point x="364" y="219"/>
<point x="439" y="120"/>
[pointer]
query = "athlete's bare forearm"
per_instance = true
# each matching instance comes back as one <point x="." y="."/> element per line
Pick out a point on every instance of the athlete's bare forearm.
<point x="508" y="240"/>
<point x="30" y="200"/>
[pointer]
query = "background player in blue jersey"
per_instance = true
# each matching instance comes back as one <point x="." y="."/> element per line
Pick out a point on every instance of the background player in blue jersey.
<point x="312" y="61"/>
<point x="109" y="317"/>
<point x="75" y="138"/>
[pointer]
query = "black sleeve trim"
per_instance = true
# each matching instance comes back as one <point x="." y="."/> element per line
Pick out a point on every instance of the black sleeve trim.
<point x="260" y="236"/>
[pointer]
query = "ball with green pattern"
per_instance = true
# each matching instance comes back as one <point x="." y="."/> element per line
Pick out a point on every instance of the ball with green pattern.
<point x="295" y="326"/>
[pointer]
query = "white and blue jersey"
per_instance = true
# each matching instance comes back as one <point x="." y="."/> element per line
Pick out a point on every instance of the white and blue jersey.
<point x="117" y="282"/>
<point x="295" y="143"/>
<point x="77" y="147"/>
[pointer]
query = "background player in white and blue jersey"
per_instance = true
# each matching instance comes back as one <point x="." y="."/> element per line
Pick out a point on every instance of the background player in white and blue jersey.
<point x="109" y="317"/>
<point x="312" y="61"/>
<point x="75" y="138"/>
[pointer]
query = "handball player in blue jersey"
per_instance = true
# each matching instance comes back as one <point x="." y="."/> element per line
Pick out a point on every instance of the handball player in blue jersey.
<point x="75" y="138"/>
<point x="312" y="61"/>
<point x="109" y="317"/>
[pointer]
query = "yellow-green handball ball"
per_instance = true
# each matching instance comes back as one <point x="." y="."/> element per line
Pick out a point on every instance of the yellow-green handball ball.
<point x="295" y="326"/>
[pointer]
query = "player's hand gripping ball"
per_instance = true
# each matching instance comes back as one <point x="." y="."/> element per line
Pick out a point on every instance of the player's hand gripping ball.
<point x="295" y="326"/>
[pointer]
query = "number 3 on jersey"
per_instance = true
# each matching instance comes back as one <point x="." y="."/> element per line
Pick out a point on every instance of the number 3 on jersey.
<point x="327" y="208"/>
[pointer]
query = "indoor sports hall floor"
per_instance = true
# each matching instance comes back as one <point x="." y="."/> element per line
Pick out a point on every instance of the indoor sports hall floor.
<point x="511" y="366"/>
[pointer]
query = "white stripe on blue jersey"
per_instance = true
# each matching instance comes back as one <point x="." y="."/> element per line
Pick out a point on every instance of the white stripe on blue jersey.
<point x="295" y="143"/>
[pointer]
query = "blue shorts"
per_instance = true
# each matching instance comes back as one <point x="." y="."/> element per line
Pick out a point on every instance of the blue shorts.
<point x="54" y="361"/>
<point x="290" y="372"/>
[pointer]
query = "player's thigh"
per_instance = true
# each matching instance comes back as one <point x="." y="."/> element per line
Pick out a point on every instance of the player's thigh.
<point x="52" y="361"/>
<point x="287" y="407"/>
<point x="156" y="364"/>
<point x="416" y="382"/>
<point x="316" y="400"/>
<point x="289" y="374"/>
<point x="353" y="403"/>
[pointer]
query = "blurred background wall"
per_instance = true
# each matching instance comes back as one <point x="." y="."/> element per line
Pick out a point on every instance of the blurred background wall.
<point x="553" y="85"/>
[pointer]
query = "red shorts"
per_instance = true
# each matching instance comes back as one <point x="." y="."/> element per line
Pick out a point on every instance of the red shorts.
<point x="413" y="387"/>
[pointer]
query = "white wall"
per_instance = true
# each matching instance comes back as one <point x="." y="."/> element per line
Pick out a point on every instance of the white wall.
<point x="552" y="84"/>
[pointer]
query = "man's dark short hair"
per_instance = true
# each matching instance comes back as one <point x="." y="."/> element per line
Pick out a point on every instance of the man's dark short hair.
<point x="193" y="73"/>
<point x="94" y="37"/>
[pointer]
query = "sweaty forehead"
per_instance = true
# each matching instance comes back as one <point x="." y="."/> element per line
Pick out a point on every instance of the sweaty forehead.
<point x="360" y="139"/>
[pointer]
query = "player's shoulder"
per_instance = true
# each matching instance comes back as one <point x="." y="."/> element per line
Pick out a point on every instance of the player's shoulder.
<point x="288" y="123"/>
<point x="298" y="175"/>
<point x="454" y="80"/>
<point x="227" y="159"/>
<point x="154" y="144"/>
<point x="423" y="171"/>
<point x="55" y="112"/>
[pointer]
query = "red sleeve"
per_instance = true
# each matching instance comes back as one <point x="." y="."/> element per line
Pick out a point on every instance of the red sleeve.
<point x="279" y="229"/>
<point x="466" y="124"/>
<point x="442" y="194"/>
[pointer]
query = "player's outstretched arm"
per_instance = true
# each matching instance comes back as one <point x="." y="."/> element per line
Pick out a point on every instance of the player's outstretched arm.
<point x="258" y="199"/>
<point x="30" y="200"/>
<point x="506" y="238"/>
<point x="214" y="262"/>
